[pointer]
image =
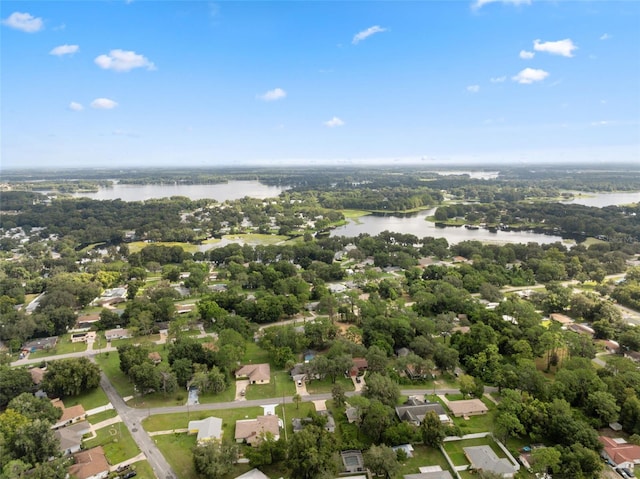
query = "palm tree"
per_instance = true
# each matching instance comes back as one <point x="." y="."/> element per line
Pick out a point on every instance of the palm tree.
<point x="296" y="399"/>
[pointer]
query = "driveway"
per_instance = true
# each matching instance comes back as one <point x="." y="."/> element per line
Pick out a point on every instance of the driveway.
<point x="358" y="385"/>
<point x="241" y="385"/>
<point x="302" y="389"/>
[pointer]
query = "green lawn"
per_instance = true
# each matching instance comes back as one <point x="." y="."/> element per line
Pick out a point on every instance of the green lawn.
<point x="89" y="400"/>
<point x="143" y="469"/>
<point x="318" y="386"/>
<point x="176" y="448"/>
<point x="456" y="452"/>
<point x="256" y="238"/>
<point x="280" y="384"/>
<point x="110" y="364"/>
<point x="293" y="411"/>
<point x="227" y="395"/>
<point x="482" y="423"/>
<point x="136" y="246"/>
<point x="423" y="456"/>
<point x="255" y="354"/>
<point x="164" y="422"/>
<point x="63" y="346"/>
<point x="102" y="416"/>
<point x="117" y="443"/>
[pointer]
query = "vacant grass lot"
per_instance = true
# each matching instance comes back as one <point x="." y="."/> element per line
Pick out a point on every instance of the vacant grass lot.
<point x="164" y="422"/>
<point x="117" y="443"/>
<point x="279" y="386"/>
<point x="423" y="456"/>
<point x="143" y="469"/>
<point x="176" y="448"/>
<point x="89" y="400"/>
<point x="102" y="416"/>
<point x="110" y="364"/>
<point x="255" y="354"/>
<point x="318" y="386"/>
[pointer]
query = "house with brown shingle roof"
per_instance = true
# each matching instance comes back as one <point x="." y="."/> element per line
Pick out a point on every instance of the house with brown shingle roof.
<point x="256" y="373"/>
<point x="155" y="357"/>
<point x="70" y="415"/>
<point x="252" y="430"/>
<point x="37" y="375"/>
<point x="90" y="464"/>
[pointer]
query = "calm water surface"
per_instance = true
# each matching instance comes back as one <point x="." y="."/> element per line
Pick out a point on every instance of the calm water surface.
<point x="601" y="200"/>
<point x="417" y="225"/>
<point x="232" y="190"/>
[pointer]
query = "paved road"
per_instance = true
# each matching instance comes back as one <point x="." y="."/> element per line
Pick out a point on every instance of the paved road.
<point x="131" y="418"/>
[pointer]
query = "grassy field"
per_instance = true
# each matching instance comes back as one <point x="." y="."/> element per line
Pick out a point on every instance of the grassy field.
<point x="474" y="424"/>
<point x="117" y="443"/>
<point x="176" y="448"/>
<point x="280" y="385"/>
<point x="102" y="416"/>
<point x="325" y="385"/>
<point x="89" y="400"/>
<point x="63" y="346"/>
<point x="456" y="452"/>
<point x="143" y="469"/>
<point x="423" y="456"/>
<point x="255" y="238"/>
<point x="110" y="364"/>
<point x="255" y="354"/>
<point x="165" y="422"/>
<point x="136" y="246"/>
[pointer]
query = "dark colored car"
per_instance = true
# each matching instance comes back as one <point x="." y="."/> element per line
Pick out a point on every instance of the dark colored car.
<point x="129" y="475"/>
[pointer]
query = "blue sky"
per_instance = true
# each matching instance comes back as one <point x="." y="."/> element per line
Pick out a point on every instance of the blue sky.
<point x="161" y="83"/>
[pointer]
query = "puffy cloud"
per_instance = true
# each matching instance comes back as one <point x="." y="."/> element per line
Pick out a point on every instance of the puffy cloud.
<point x="123" y="61"/>
<point x="473" y="88"/>
<point x="477" y="4"/>
<point x="605" y="36"/>
<point x="530" y="75"/>
<point x="272" y="95"/>
<point x="498" y="79"/>
<point x="24" y="21"/>
<point x="564" y="47"/>
<point x="334" y="122"/>
<point x="64" y="50"/>
<point x="364" y="34"/>
<point x="75" y="106"/>
<point x="525" y="55"/>
<point x="103" y="104"/>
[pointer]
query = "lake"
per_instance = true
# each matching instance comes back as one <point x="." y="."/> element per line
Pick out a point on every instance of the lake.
<point x="600" y="200"/>
<point x="417" y="225"/>
<point x="233" y="190"/>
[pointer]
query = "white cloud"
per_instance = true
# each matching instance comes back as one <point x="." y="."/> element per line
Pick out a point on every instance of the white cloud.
<point x="75" y="106"/>
<point x="123" y="61"/>
<point x="473" y="88"/>
<point x="335" y="121"/>
<point x="64" y="50"/>
<point x="24" y="21"/>
<point x="498" y="79"/>
<point x="358" y="37"/>
<point x="530" y="75"/>
<point x="525" y="55"/>
<point x="103" y="104"/>
<point x="564" y="47"/>
<point x="601" y="123"/>
<point x="272" y="95"/>
<point x="481" y="3"/>
<point x="605" y="36"/>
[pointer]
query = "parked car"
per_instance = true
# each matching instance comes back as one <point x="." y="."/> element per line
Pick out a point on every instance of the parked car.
<point x="358" y="380"/>
<point x="299" y="382"/>
<point x="628" y="471"/>
<point x="620" y="471"/>
<point x="242" y="393"/>
<point x="129" y="475"/>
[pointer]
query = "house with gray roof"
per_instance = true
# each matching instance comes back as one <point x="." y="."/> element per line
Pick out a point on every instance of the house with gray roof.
<point x="208" y="429"/>
<point x="482" y="458"/>
<point x="414" y="410"/>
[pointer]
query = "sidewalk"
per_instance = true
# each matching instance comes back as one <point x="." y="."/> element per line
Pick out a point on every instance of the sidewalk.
<point x="139" y="457"/>
<point x="168" y="431"/>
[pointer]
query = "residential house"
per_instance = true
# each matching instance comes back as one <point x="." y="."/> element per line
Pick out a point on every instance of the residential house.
<point x="563" y="319"/>
<point x="155" y="357"/>
<point x="40" y="344"/>
<point x="90" y="464"/>
<point x="430" y="475"/>
<point x="253" y="474"/>
<point x="79" y="338"/>
<point x="359" y="367"/>
<point x="208" y="429"/>
<point x="611" y="346"/>
<point x="70" y="437"/>
<point x="70" y="415"/>
<point x="620" y="452"/>
<point x="406" y="448"/>
<point x="252" y="430"/>
<point x="414" y="411"/>
<point x="467" y="407"/>
<point x="300" y="423"/>
<point x="352" y="413"/>
<point x="581" y="329"/>
<point x="298" y="373"/>
<point x="118" y="333"/>
<point x="482" y="458"/>
<point x="111" y="296"/>
<point x="37" y="375"/>
<point x="633" y="355"/>
<point x="352" y="460"/>
<point x="256" y="373"/>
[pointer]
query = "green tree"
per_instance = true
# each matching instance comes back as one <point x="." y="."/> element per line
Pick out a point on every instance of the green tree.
<point x="382" y="388"/>
<point x="297" y="399"/>
<point x="382" y="461"/>
<point x="431" y="430"/>
<point x="71" y="377"/>
<point x="338" y="395"/>
<point x="34" y="407"/>
<point x="13" y="382"/>
<point x="378" y="417"/>
<point x="310" y="453"/>
<point x="545" y="460"/>
<point x="507" y="425"/>
<point x="215" y="459"/>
